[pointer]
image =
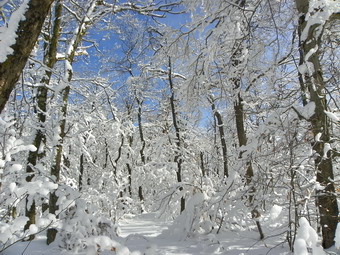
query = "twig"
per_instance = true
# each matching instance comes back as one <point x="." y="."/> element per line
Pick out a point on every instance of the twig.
<point x="26" y="247"/>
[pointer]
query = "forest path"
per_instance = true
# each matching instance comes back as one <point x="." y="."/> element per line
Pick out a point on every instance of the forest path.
<point x="143" y="233"/>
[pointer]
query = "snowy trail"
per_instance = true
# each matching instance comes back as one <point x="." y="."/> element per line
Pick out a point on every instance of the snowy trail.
<point x="142" y="233"/>
<point x="147" y="225"/>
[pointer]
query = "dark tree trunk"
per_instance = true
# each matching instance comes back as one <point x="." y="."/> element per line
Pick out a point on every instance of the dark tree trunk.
<point x="56" y="167"/>
<point x="178" y="156"/>
<point x="241" y="132"/>
<point x="40" y="109"/>
<point x="313" y="81"/>
<point x="220" y="127"/>
<point x="81" y="172"/>
<point x="27" y="35"/>
<point x="141" y="152"/>
<point x="242" y="138"/>
<point x="129" y="168"/>
<point x="202" y="163"/>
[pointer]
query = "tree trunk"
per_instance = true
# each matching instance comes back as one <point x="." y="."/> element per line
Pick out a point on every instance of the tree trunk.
<point x="81" y="172"/>
<point x="128" y="166"/>
<point x="241" y="132"/>
<point x="56" y="167"/>
<point x="310" y="42"/>
<point x="27" y="35"/>
<point x="220" y="127"/>
<point x="178" y="157"/>
<point x="242" y="138"/>
<point x="141" y="152"/>
<point x="202" y="163"/>
<point x="40" y="138"/>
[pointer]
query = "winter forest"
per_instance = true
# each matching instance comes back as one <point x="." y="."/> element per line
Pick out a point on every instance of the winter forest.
<point x="161" y="127"/>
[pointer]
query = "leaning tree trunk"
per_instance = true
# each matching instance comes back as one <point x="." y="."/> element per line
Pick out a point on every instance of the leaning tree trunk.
<point x="27" y="35"/>
<point x="41" y="98"/>
<point x="310" y="35"/>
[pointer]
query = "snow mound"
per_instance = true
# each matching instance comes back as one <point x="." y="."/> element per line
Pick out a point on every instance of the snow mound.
<point x="307" y="237"/>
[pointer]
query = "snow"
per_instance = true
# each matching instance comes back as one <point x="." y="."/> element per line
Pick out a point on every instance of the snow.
<point x="307" y="237"/>
<point x="31" y="147"/>
<point x="33" y="229"/>
<point x="327" y="147"/>
<point x="141" y="235"/>
<point x="319" y="17"/>
<point x="308" y="110"/>
<point x="317" y="137"/>
<point x="275" y="212"/>
<point x="337" y="237"/>
<point x="12" y="187"/>
<point x="8" y="230"/>
<point x="105" y="243"/>
<point x="231" y="243"/>
<point x="208" y="207"/>
<point x="8" y="33"/>
<point x="300" y="247"/>
<point x="332" y="116"/>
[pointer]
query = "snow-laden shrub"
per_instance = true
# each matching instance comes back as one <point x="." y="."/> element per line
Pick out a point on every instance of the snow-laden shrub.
<point x="307" y="239"/>
<point x="80" y="223"/>
<point x="187" y="222"/>
<point x="15" y="190"/>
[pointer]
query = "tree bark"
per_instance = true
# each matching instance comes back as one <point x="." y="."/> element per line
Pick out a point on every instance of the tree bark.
<point x="41" y="97"/>
<point x="220" y="127"/>
<point x="81" y="172"/>
<point x="27" y="35"/>
<point x="56" y="167"/>
<point x="241" y="131"/>
<point x="141" y="152"/>
<point x="310" y="36"/>
<point x="242" y="138"/>
<point x="178" y="157"/>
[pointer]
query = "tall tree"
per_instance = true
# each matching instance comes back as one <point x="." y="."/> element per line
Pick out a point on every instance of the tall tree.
<point x="174" y="114"/>
<point x="220" y="127"/>
<point x="236" y="62"/>
<point x="51" y="44"/>
<point x="65" y="84"/>
<point x="310" y="34"/>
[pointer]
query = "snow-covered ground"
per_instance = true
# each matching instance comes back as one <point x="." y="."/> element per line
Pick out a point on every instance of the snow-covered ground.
<point x="144" y="235"/>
